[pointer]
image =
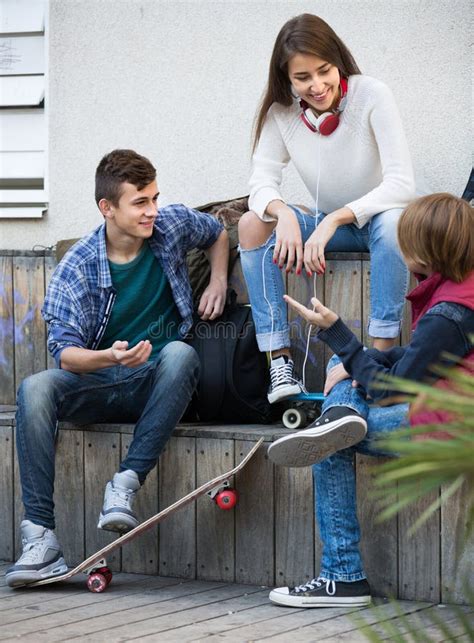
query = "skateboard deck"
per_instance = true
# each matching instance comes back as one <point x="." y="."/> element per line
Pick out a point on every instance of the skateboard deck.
<point x="296" y="415"/>
<point x="96" y="562"/>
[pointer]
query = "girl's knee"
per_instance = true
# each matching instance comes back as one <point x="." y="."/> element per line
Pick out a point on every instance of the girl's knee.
<point x="253" y="232"/>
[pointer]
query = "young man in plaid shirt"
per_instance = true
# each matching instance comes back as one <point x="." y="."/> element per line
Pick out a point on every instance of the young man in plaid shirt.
<point x="117" y="309"/>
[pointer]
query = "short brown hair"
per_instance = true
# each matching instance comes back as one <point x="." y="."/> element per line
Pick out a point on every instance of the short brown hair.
<point x="304" y="34"/>
<point x="438" y="230"/>
<point x="121" y="166"/>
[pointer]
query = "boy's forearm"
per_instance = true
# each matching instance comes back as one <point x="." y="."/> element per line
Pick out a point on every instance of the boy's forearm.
<point x="84" y="360"/>
<point x="218" y="257"/>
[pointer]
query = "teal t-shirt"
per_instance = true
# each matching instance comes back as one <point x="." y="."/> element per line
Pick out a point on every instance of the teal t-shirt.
<point x="144" y="307"/>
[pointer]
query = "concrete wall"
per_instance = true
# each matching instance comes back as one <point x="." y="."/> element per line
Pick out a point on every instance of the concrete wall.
<point x="179" y="81"/>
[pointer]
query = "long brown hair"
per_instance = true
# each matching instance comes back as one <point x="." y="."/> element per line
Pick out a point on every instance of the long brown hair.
<point x="304" y="34"/>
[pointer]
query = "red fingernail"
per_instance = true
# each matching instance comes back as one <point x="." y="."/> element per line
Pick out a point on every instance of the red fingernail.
<point x="298" y="272"/>
<point x="308" y="273"/>
<point x="274" y="261"/>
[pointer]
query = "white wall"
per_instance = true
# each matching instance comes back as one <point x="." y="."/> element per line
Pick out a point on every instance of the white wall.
<point x="179" y="81"/>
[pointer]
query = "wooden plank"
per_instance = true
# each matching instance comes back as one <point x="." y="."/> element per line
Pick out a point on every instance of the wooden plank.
<point x="178" y="533"/>
<point x="6" y="493"/>
<point x="378" y="546"/>
<point x="303" y="289"/>
<point x="49" y="267"/>
<point x="343" y="294"/>
<point x="457" y="564"/>
<point x="215" y="527"/>
<point x="294" y="526"/>
<point x="254" y="518"/>
<point x="141" y="555"/>
<point x="419" y="555"/>
<point x="69" y="495"/>
<point x="365" y="338"/>
<point x="28" y="282"/>
<point x="18" y="509"/>
<point x="7" y="321"/>
<point x="128" y="614"/>
<point x="101" y="461"/>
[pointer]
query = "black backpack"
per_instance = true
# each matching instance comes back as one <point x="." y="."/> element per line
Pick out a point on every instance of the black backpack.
<point x="234" y="373"/>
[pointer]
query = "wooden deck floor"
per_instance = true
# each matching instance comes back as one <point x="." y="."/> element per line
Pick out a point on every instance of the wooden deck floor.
<point x="137" y="607"/>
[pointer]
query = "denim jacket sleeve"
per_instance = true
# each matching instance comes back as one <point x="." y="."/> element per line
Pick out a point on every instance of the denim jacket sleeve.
<point x="441" y="331"/>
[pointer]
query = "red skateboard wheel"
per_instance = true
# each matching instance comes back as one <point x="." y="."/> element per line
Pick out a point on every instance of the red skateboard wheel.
<point x="227" y="499"/>
<point x="96" y="582"/>
<point x="106" y="573"/>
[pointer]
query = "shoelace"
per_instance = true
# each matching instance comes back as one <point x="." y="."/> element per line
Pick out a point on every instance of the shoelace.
<point x="283" y="374"/>
<point x="32" y="552"/>
<point x="121" y="497"/>
<point x="316" y="583"/>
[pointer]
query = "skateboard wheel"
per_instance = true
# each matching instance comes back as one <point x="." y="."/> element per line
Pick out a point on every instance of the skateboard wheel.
<point x="294" y="418"/>
<point x="96" y="582"/>
<point x="106" y="573"/>
<point x="227" y="499"/>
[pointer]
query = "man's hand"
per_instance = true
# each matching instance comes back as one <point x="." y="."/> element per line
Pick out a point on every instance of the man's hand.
<point x="132" y="357"/>
<point x="288" y="245"/>
<point x="320" y="316"/>
<point x="212" y="300"/>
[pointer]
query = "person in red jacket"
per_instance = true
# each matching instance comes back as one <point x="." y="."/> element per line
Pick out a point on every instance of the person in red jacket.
<point x="436" y="237"/>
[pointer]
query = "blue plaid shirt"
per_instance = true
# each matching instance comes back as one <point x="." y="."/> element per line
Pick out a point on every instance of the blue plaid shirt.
<point x="80" y="295"/>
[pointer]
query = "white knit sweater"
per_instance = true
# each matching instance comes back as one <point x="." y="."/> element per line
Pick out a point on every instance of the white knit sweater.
<point x="364" y="164"/>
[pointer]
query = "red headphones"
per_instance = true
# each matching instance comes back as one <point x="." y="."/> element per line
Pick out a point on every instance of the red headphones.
<point x="326" y="123"/>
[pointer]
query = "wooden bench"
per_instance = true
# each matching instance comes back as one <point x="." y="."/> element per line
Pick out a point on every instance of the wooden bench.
<point x="270" y="537"/>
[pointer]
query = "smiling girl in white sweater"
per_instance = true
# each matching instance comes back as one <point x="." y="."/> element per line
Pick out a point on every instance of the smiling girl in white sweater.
<point x="343" y="133"/>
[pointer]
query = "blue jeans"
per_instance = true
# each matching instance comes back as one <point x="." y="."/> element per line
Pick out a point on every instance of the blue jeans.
<point x="335" y="482"/>
<point x="154" y="395"/>
<point x="388" y="280"/>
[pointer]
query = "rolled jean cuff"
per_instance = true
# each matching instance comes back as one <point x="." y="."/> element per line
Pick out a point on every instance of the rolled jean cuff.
<point x="274" y="341"/>
<point x="384" y="329"/>
<point x="344" y="578"/>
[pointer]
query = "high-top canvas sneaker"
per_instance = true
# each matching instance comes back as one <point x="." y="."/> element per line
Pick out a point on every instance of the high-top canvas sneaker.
<point x="41" y="558"/>
<point x="117" y="513"/>
<point x="283" y="383"/>
<point x="323" y="593"/>
<point x="337" y="428"/>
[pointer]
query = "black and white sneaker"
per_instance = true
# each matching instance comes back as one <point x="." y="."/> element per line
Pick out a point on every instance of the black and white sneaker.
<point x="323" y="593"/>
<point x="283" y="383"/>
<point x="338" y="428"/>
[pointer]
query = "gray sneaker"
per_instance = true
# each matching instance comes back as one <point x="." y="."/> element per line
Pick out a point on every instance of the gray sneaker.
<point x="117" y="513"/>
<point x="41" y="558"/>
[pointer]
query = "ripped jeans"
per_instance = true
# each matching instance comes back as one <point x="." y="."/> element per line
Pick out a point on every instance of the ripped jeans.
<point x="388" y="277"/>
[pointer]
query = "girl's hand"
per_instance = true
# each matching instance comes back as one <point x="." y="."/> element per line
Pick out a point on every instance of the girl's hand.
<point x="314" y="248"/>
<point x="314" y="260"/>
<point x="288" y="246"/>
<point x="320" y="315"/>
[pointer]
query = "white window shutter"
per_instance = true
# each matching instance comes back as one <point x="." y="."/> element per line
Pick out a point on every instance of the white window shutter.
<point x="22" y="117"/>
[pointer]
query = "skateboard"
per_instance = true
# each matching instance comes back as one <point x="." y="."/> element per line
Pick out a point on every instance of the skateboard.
<point x="99" y="575"/>
<point x="301" y="410"/>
